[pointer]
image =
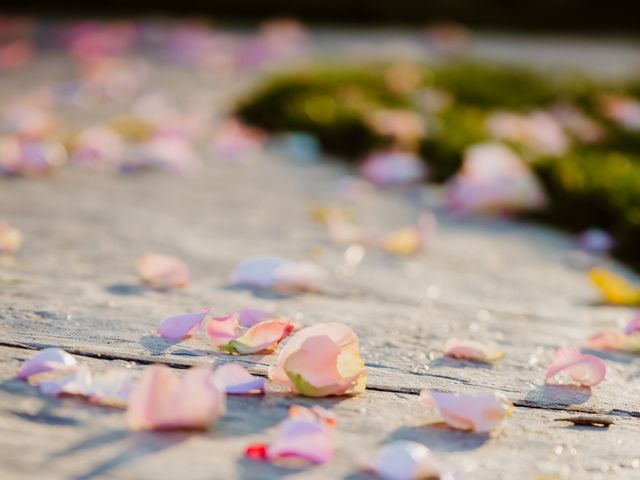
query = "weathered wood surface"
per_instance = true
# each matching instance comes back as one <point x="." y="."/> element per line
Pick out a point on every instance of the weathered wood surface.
<point x="45" y="438"/>
<point x="73" y="285"/>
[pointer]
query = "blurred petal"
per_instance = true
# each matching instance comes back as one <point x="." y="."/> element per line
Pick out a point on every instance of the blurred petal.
<point x="45" y="361"/>
<point x="570" y="367"/>
<point x="476" y="412"/>
<point x="162" y="272"/>
<point x="264" y="336"/>
<point x="279" y="274"/>
<point x="410" y="240"/>
<point x="10" y="238"/>
<point x="162" y="401"/>
<point x="472" y="350"/>
<point x="615" y="341"/>
<point x="392" y="168"/>
<point x="595" y="240"/>
<point x="77" y="383"/>
<point x="248" y="317"/>
<point x="614" y="288"/>
<point x="179" y="327"/>
<point x="112" y="387"/>
<point x="237" y="380"/>
<point x="405" y="460"/>
<point x="634" y="325"/>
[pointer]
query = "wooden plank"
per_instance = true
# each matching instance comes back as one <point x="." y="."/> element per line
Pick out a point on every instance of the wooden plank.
<point x="512" y="287"/>
<point x="42" y="437"/>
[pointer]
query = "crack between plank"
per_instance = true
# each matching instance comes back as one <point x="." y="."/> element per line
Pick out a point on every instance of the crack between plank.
<point x="375" y="388"/>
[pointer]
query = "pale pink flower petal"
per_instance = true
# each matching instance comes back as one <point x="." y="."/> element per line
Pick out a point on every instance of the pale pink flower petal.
<point x="321" y="360"/>
<point x="623" y="110"/>
<point x="10" y="238"/>
<point x="278" y="274"/>
<point x="222" y="330"/>
<point x="615" y="341"/>
<point x="30" y="158"/>
<point x="179" y="327"/>
<point x="393" y="168"/>
<point x="537" y="131"/>
<point x="493" y="179"/>
<point x="112" y="387"/>
<point x="595" y="240"/>
<point x="476" y="412"/>
<point x="633" y="326"/>
<point x="162" y="401"/>
<point x="472" y="350"/>
<point x="406" y="460"/>
<point x="571" y="367"/>
<point x="45" y="361"/>
<point x="248" y="317"/>
<point x="264" y="336"/>
<point x="162" y="272"/>
<point x="237" y="380"/>
<point x="78" y="383"/>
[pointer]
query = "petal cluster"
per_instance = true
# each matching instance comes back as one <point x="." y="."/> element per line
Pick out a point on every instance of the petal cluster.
<point x="321" y="360"/>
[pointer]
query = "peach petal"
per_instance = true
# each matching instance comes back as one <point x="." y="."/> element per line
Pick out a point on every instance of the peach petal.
<point x="572" y="367"/>
<point x="614" y="288"/>
<point x="222" y="330"/>
<point x="47" y="360"/>
<point x="615" y="341"/>
<point x="405" y="460"/>
<point x="179" y="327"/>
<point x="162" y="272"/>
<point x="237" y="380"/>
<point x="78" y="383"/>
<point x="316" y="412"/>
<point x="162" y="401"/>
<point x="472" y="350"/>
<point x="476" y="412"/>
<point x="10" y="238"/>
<point x="264" y="336"/>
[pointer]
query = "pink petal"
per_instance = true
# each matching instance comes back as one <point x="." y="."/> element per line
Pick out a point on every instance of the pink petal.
<point x="237" y="380"/>
<point x="222" y="330"/>
<point x="10" y="238"/>
<point x="162" y="272"/>
<point x="572" y="367"/>
<point x="263" y="336"/>
<point x="476" y="412"/>
<point x="77" y="383"/>
<point x="316" y="413"/>
<point x="277" y="273"/>
<point x="302" y="439"/>
<point x="179" y="327"/>
<point x="405" y="460"/>
<point x="633" y="326"/>
<point x="112" y="387"/>
<point x="45" y="361"/>
<point x="162" y="401"/>
<point x="392" y="168"/>
<point x="615" y="341"/>
<point x="257" y="271"/>
<point x="471" y="350"/>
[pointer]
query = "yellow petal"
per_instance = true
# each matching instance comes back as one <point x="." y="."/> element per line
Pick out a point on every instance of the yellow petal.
<point x="615" y="289"/>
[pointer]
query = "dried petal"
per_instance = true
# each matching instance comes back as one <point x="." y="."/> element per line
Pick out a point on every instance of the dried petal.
<point x="570" y="367"/>
<point x="472" y="350"/>
<point x="278" y="274"/>
<point x="162" y="272"/>
<point x="476" y="412"/>
<point x="163" y="401"/>
<point x="405" y="460"/>
<point x="179" y="327"/>
<point x="393" y="168"/>
<point x="45" y="361"/>
<point x="614" y="288"/>
<point x="321" y="360"/>
<point x="237" y="380"/>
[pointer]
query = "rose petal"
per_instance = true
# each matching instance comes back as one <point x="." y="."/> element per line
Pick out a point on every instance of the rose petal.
<point x="316" y="413"/>
<point x="393" y="168"/>
<point x="162" y="401"/>
<point x="410" y="240"/>
<point x="476" y="412"/>
<point x="112" y="387"/>
<point x="237" y="380"/>
<point x="10" y="238"/>
<point x="472" y="350"/>
<point x="574" y="368"/>
<point x="305" y="440"/>
<point x="615" y="341"/>
<point x="634" y="325"/>
<point x="222" y="330"/>
<point x="179" y="327"/>
<point x="162" y="272"/>
<point x="78" y="383"/>
<point x="45" y="361"/>
<point x="278" y="273"/>
<point x="614" y="288"/>
<point x="248" y="317"/>
<point x="264" y="336"/>
<point x="405" y="460"/>
<point x="595" y="240"/>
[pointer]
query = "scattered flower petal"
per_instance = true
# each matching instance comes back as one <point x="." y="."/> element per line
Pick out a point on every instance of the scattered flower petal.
<point x="279" y="274"/>
<point x="537" y="131"/>
<point x="45" y="361"/>
<point x="10" y="238"/>
<point x="237" y="380"/>
<point x="161" y="400"/>
<point x="391" y="168"/>
<point x="595" y="240"/>
<point x="633" y="326"/>
<point x="321" y="360"/>
<point x="615" y="342"/>
<point x="262" y="337"/>
<point x="411" y="240"/>
<point x="77" y="383"/>
<point x="406" y="460"/>
<point x="112" y="387"/>
<point x="570" y="367"/>
<point x="614" y="288"/>
<point x="162" y="272"/>
<point x="179" y="327"/>
<point x="472" y="350"/>
<point x="475" y="412"/>
<point x="222" y="330"/>
<point x="623" y="110"/>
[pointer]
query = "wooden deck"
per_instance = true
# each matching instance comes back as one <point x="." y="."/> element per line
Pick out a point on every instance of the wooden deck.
<point x="73" y="286"/>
